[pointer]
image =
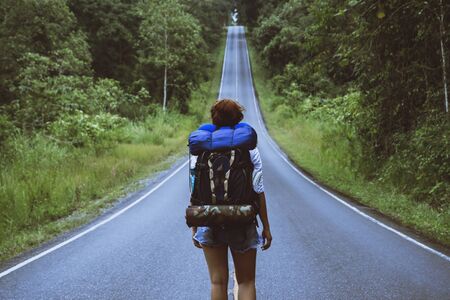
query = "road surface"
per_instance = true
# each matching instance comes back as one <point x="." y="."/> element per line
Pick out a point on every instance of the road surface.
<point x="322" y="248"/>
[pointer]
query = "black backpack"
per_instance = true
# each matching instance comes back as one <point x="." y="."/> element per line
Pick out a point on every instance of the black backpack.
<point x="224" y="178"/>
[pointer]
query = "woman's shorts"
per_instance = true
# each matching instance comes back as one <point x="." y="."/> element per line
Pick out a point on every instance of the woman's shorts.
<point x="238" y="239"/>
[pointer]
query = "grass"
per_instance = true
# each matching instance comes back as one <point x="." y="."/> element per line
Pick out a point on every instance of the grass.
<point x="302" y="138"/>
<point x="55" y="194"/>
<point x="51" y="188"/>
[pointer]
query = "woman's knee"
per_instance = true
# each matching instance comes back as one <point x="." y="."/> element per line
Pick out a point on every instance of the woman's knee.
<point x="246" y="281"/>
<point x="219" y="279"/>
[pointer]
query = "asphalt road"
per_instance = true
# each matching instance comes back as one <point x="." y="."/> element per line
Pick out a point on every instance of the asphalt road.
<point x="322" y="248"/>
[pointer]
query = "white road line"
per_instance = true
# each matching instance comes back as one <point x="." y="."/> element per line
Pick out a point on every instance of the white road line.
<point x="236" y="59"/>
<point x="284" y="157"/>
<point x="223" y="65"/>
<point x="76" y="237"/>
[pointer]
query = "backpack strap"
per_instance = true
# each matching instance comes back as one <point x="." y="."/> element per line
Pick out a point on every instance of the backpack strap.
<point x="211" y="182"/>
<point x="227" y="176"/>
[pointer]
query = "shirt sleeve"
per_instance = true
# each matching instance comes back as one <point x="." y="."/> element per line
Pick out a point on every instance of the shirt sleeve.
<point x="193" y="161"/>
<point x="258" y="184"/>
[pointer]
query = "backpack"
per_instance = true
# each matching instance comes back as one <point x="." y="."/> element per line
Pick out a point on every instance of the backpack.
<point x="222" y="192"/>
<point x="223" y="178"/>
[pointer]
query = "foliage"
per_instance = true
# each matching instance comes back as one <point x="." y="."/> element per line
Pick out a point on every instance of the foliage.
<point x="43" y="98"/>
<point x="79" y="85"/>
<point x="320" y="135"/>
<point x="46" y="180"/>
<point x="402" y="76"/>
<point x="170" y="38"/>
<point x="113" y="30"/>
<point x="372" y="73"/>
<point x="250" y="11"/>
<point x="212" y="15"/>
<point x="46" y="28"/>
<point x="49" y="179"/>
<point x="115" y="39"/>
<point x="7" y="129"/>
<point x="421" y="162"/>
<point x="112" y="27"/>
<point x="83" y="130"/>
<point x="326" y="47"/>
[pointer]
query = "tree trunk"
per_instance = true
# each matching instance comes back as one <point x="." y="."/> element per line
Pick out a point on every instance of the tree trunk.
<point x="165" y="88"/>
<point x="444" y="65"/>
<point x="165" y="70"/>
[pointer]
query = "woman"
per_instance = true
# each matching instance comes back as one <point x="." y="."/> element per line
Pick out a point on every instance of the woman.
<point x="243" y="242"/>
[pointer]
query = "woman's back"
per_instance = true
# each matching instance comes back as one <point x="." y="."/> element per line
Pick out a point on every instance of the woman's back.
<point x="218" y="150"/>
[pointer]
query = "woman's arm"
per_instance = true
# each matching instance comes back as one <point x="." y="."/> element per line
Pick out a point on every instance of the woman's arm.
<point x="258" y="187"/>
<point x="192" y="163"/>
<point x="266" y="234"/>
<point x="194" y="231"/>
<point x="196" y="243"/>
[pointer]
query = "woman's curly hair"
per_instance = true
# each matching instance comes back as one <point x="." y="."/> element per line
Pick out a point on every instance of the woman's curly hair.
<point x="226" y="112"/>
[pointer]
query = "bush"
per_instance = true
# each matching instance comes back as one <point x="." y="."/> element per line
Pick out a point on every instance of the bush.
<point x="45" y="97"/>
<point x="283" y="113"/>
<point x="7" y="129"/>
<point x="133" y="107"/>
<point x="309" y="78"/>
<point x="7" y="132"/>
<point x="106" y="95"/>
<point x="421" y="163"/>
<point x="82" y="130"/>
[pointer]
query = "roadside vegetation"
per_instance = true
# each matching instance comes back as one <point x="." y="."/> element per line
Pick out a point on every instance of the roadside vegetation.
<point x="81" y="107"/>
<point x="355" y="94"/>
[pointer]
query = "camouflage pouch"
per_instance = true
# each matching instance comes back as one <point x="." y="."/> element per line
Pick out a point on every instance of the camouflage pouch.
<point x="218" y="215"/>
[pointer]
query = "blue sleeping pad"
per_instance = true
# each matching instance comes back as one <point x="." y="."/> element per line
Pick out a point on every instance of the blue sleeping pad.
<point x="209" y="137"/>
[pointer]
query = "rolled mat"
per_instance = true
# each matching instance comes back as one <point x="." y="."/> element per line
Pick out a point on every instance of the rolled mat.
<point x="216" y="215"/>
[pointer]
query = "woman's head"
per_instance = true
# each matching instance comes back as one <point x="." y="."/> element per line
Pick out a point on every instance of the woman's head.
<point x="226" y="112"/>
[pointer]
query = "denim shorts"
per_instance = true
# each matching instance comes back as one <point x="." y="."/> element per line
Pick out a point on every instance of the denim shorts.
<point x="238" y="239"/>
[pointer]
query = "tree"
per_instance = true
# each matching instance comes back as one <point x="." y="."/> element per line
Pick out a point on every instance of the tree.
<point x="399" y="65"/>
<point x="170" y="44"/>
<point x="253" y="11"/>
<point x="305" y="35"/>
<point x="112" y="27"/>
<point x="443" y="52"/>
<point x="395" y="52"/>
<point x="44" y="27"/>
<point x="213" y="16"/>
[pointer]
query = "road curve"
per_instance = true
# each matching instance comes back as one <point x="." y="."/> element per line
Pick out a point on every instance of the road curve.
<point x="322" y="249"/>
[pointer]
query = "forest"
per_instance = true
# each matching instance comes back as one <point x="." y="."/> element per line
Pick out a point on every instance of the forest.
<point x="97" y="94"/>
<point x="93" y="94"/>
<point x="365" y="85"/>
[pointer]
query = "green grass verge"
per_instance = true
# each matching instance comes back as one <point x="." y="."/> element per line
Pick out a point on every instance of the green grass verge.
<point x="302" y="139"/>
<point x="50" y="188"/>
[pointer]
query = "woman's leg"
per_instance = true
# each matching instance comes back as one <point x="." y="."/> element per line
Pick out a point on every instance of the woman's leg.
<point x="244" y="267"/>
<point x="217" y="260"/>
